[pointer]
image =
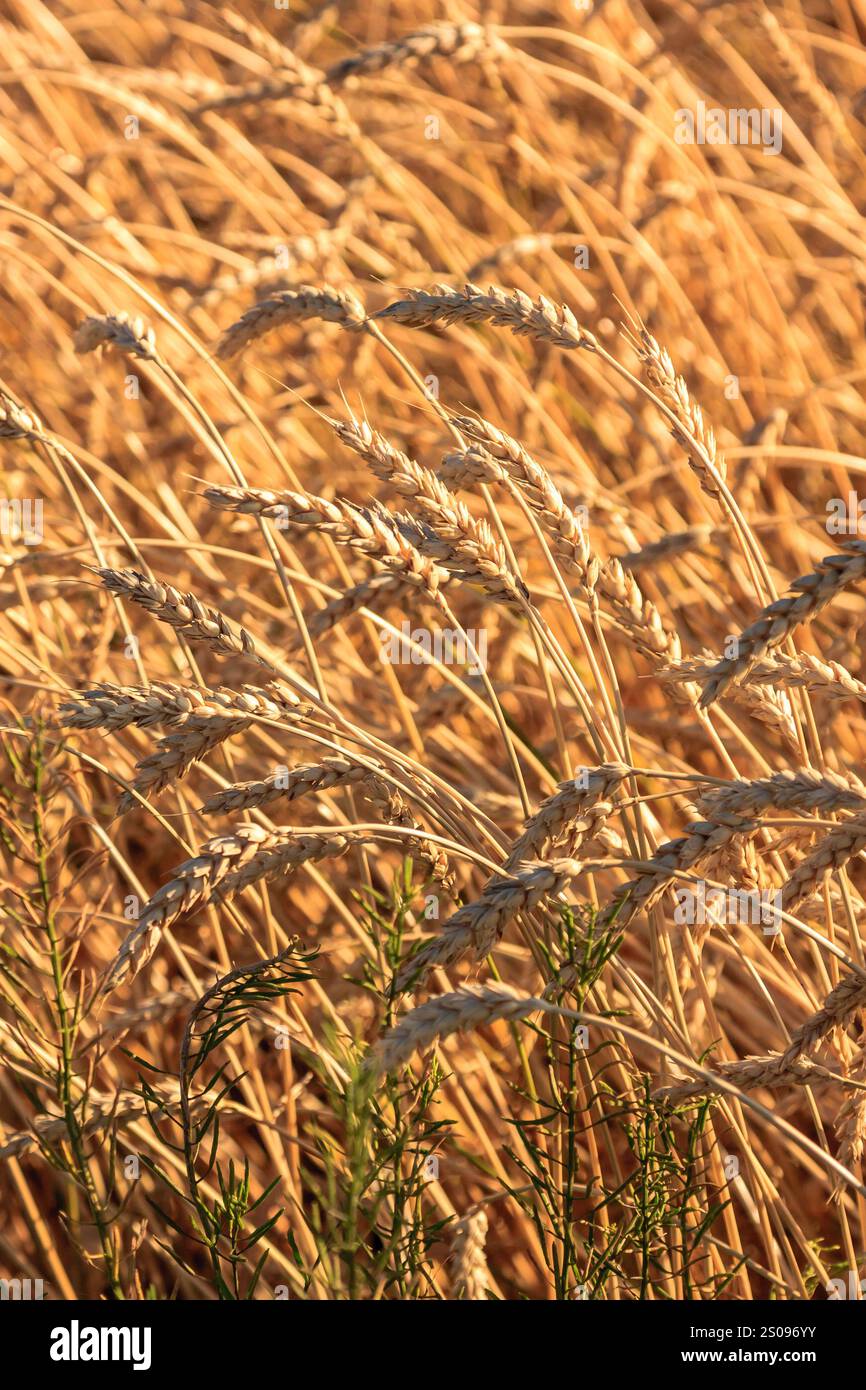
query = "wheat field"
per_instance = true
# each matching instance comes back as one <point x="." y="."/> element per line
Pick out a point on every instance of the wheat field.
<point x="431" y="611"/>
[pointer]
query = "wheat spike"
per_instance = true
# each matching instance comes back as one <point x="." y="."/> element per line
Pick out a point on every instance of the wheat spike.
<point x="467" y="1008"/>
<point x="292" y="306"/>
<point x="808" y="596"/>
<point x="478" y="925"/>
<point x="541" y="319"/>
<point x="470" y="1261"/>
<point x="459" y="43"/>
<point x="184" y="612"/>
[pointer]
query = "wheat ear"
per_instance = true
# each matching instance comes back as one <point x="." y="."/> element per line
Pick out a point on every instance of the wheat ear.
<point x="841" y="1003"/>
<point x="793" y="789"/>
<point x="467" y="1008"/>
<point x="292" y="306"/>
<point x="688" y="427"/>
<point x="537" y="318"/>
<point x="125" y="334"/>
<point x="574" y="812"/>
<point x="367" y="530"/>
<point x="751" y="1074"/>
<point x="701" y="840"/>
<point x="190" y="617"/>
<point x="449" y="534"/>
<point x="459" y="43"/>
<point x="478" y="925"/>
<point x="830" y="854"/>
<point x="471" y="1275"/>
<point x="808" y="596"/>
